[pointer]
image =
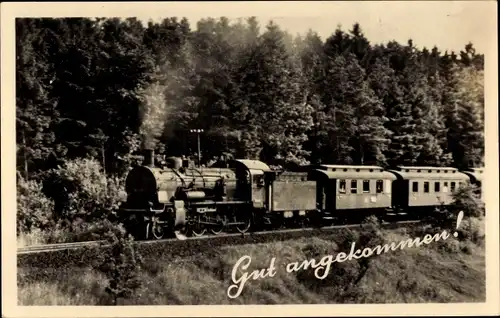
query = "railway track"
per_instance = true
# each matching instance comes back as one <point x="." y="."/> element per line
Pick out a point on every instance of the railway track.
<point x="58" y="247"/>
<point x="326" y="229"/>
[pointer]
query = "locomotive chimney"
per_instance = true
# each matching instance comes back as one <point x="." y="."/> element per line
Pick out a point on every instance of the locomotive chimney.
<point x="149" y="158"/>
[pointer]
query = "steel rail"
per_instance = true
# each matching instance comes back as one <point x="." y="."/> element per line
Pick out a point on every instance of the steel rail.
<point x="103" y="243"/>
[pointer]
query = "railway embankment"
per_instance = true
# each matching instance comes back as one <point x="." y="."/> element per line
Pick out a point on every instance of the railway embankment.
<point x="201" y="271"/>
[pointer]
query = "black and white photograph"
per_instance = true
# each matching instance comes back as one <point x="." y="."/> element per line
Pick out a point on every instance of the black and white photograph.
<point x="268" y="153"/>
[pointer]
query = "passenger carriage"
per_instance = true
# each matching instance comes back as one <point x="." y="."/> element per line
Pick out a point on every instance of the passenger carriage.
<point x="425" y="189"/>
<point x="344" y="190"/>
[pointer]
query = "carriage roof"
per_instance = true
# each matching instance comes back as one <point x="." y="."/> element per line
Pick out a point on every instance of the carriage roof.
<point x="445" y="173"/>
<point x="353" y="174"/>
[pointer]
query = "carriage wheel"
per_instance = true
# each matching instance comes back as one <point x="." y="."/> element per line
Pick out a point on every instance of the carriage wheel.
<point x="303" y="222"/>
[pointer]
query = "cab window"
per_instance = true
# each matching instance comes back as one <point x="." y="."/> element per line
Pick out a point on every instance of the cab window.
<point x="380" y="186"/>
<point x="366" y="186"/>
<point x="437" y="187"/>
<point x="258" y="180"/>
<point x="414" y="186"/>
<point x="426" y="187"/>
<point x="445" y="187"/>
<point x="354" y="186"/>
<point x="342" y="186"/>
<point x="452" y="186"/>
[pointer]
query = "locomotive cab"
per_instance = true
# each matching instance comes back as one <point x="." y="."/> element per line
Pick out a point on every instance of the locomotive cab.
<point x="252" y="176"/>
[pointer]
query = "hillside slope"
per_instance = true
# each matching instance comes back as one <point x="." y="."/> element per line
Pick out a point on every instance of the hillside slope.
<point x="446" y="271"/>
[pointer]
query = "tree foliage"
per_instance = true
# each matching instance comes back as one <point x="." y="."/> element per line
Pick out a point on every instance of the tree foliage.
<point x="87" y="87"/>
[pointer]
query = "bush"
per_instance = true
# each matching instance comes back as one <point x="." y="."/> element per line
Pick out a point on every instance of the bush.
<point x="449" y="246"/>
<point x="465" y="200"/>
<point x="34" y="208"/>
<point x="121" y="264"/>
<point x="472" y="229"/>
<point x="82" y="192"/>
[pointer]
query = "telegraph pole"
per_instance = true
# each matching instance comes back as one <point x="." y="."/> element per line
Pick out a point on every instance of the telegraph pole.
<point x="198" y="131"/>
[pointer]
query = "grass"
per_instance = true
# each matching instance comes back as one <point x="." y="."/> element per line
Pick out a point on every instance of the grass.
<point x="449" y="271"/>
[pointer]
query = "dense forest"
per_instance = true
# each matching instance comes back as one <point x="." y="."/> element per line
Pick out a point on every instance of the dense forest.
<point x="102" y="89"/>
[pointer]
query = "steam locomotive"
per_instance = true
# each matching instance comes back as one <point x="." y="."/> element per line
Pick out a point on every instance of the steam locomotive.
<point x="178" y="199"/>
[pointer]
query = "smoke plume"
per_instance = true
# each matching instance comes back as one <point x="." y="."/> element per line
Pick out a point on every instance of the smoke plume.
<point x="153" y="114"/>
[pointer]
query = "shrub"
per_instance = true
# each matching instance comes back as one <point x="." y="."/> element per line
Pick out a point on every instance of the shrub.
<point x="472" y="229"/>
<point x="449" y="246"/>
<point x="465" y="200"/>
<point x="34" y="208"/>
<point x="346" y="276"/>
<point x="82" y="192"/>
<point x="372" y="224"/>
<point x="121" y="264"/>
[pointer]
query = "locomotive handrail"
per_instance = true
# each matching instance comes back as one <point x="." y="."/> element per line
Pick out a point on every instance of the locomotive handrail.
<point x="155" y="211"/>
<point x="201" y="175"/>
<point x="180" y="177"/>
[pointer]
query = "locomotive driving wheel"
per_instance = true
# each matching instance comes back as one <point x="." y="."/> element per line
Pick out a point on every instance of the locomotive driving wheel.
<point x="155" y="229"/>
<point x="197" y="228"/>
<point x="247" y="222"/>
<point x="221" y="222"/>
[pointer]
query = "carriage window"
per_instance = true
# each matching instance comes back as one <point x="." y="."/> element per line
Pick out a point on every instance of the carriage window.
<point x="415" y="186"/>
<point x="366" y="186"/>
<point x="426" y="187"/>
<point x="380" y="186"/>
<point x="354" y="186"/>
<point x="459" y="185"/>
<point x="341" y="186"/>
<point x="437" y="186"/>
<point x="445" y="187"/>
<point x="452" y="186"/>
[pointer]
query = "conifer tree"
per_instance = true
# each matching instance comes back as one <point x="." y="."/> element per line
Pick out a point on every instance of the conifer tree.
<point x="274" y="90"/>
<point x="35" y="107"/>
<point x="464" y="97"/>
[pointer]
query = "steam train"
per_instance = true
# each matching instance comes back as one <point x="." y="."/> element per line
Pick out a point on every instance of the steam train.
<point x="176" y="198"/>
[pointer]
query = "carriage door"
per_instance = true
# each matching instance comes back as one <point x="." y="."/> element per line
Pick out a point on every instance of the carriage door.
<point x="401" y="192"/>
<point x="331" y="194"/>
<point x="320" y="195"/>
